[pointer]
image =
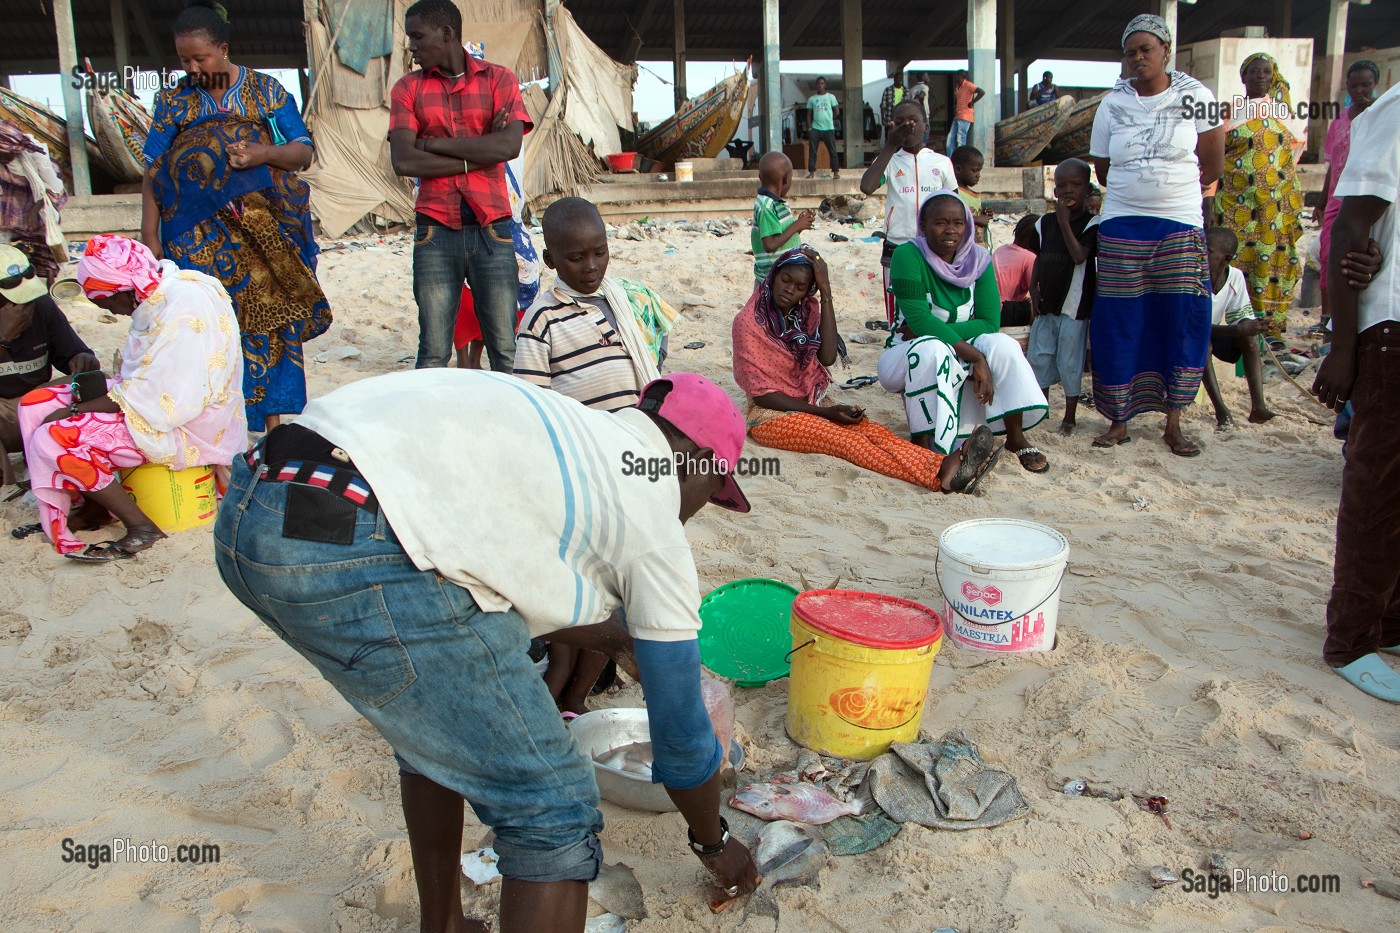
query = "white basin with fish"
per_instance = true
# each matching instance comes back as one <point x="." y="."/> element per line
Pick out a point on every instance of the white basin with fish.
<point x="598" y="732"/>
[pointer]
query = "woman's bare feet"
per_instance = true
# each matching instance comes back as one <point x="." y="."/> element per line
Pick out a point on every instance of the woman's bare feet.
<point x="1067" y="427"/>
<point x="138" y="538"/>
<point x="1261" y="415"/>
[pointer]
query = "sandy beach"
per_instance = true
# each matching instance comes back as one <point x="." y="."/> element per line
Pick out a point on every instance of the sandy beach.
<point x="142" y="702"/>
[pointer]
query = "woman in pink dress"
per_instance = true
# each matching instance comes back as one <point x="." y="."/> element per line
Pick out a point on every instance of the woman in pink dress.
<point x="1362" y="78"/>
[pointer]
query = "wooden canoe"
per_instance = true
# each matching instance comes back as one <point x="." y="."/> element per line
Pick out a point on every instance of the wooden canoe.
<point x="1072" y="141"/>
<point x="121" y="125"/>
<point x="702" y="128"/>
<point x="1021" y="138"/>
<point x="50" y="129"/>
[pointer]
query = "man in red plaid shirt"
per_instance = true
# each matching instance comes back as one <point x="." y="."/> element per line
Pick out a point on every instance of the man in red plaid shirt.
<point x="454" y="124"/>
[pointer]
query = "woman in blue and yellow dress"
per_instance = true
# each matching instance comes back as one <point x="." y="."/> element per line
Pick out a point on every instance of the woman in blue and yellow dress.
<point x="221" y="196"/>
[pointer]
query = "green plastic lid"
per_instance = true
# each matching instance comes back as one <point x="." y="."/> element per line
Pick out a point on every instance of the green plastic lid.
<point x="745" y="635"/>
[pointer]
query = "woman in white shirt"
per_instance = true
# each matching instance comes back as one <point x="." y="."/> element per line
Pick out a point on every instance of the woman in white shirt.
<point x="1157" y="139"/>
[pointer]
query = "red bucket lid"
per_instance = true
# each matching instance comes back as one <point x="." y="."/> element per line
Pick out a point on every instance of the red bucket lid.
<point x="869" y="619"/>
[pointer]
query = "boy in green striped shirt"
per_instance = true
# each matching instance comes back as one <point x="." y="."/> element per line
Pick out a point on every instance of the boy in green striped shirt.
<point x="775" y="229"/>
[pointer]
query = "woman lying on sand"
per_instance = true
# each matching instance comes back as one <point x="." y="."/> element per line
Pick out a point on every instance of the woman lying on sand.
<point x="784" y="340"/>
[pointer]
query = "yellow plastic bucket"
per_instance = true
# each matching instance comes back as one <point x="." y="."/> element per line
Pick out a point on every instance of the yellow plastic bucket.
<point x="174" y="499"/>
<point x="860" y="669"/>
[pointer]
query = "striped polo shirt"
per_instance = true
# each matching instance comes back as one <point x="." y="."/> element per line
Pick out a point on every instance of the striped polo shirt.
<point x="572" y="346"/>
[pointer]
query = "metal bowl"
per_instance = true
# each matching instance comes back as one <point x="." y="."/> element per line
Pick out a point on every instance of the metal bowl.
<point x="601" y="731"/>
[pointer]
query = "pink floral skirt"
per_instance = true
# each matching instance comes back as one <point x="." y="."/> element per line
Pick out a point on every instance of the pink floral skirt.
<point x="70" y="456"/>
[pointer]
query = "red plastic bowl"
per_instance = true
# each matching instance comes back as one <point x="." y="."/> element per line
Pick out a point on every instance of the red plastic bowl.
<point x="622" y="161"/>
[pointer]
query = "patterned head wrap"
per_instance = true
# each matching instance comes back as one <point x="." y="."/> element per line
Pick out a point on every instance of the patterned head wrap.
<point x="788" y="329"/>
<point x="1278" y="88"/>
<point x="112" y="264"/>
<point x="1149" y="23"/>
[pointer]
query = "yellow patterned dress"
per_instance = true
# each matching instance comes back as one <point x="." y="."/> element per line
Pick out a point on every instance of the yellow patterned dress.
<point x="1260" y="201"/>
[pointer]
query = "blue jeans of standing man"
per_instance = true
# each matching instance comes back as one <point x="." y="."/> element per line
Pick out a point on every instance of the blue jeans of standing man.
<point x="451" y="688"/>
<point x="959" y="134"/>
<point x="484" y="258"/>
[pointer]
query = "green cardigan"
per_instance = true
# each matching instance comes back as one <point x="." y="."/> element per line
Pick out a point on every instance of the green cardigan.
<point x="915" y="285"/>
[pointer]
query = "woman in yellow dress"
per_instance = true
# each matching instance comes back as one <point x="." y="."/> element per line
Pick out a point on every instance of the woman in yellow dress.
<point x="1259" y="198"/>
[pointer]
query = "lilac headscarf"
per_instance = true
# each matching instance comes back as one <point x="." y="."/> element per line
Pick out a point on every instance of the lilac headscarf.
<point x="970" y="261"/>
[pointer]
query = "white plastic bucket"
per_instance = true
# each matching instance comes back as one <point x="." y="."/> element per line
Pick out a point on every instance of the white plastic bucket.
<point x="685" y="171"/>
<point x="1001" y="583"/>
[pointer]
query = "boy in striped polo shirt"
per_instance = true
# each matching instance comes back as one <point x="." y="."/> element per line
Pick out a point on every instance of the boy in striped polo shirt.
<point x="775" y="230"/>
<point x="592" y="337"/>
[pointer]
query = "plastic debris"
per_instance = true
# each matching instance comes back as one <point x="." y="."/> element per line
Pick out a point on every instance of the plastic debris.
<point x="480" y="866"/>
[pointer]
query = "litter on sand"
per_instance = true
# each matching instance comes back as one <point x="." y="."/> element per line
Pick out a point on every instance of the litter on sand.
<point x="480" y="866"/>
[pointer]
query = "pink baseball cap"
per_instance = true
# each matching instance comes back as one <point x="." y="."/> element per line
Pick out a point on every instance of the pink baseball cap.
<point x="703" y="412"/>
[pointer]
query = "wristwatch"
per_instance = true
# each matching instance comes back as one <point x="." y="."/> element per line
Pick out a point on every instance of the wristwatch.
<point x="717" y="848"/>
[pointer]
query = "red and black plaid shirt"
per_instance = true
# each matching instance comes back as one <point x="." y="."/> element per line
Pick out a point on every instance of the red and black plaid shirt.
<point x="432" y="104"/>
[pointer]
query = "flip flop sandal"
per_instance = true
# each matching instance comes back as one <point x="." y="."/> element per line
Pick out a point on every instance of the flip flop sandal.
<point x="859" y="382"/>
<point x="1126" y="440"/>
<point x="693" y="345"/>
<point x="878" y="323"/>
<point x="24" y="531"/>
<point x="103" y="553"/>
<point x="982" y="471"/>
<point x="568" y="717"/>
<point x="1022" y="454"/>
<point x="1190" y="450"/>
<point x="980" y="445"/>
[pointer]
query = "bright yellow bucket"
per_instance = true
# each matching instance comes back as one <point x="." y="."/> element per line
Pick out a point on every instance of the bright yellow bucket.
<point x="860" y="669"/>
<point x="174" y="499"/>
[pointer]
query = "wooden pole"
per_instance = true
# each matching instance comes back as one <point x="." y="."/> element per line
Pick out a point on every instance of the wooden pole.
<point x="72" y="97"/>
<point x="1011" y="97"/>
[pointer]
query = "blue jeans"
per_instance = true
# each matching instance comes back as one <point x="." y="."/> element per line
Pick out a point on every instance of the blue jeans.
<point x="451" y="688"/>
<point x="959" y="134"/>
<point x="484" y="258"/>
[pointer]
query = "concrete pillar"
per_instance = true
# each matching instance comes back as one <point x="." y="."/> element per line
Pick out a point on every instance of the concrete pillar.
<point x="1283" y="19"/>
<point x="678" y="60"/>
<point x="771" y="90"/>
<point x="121" y="42"/>
<point x="1167" y="10"/>
<point x="1334" y="73"/>
<point x="1012" y="98"/>
<point x="981" y="67"/>
<point x="72" y="97"/>
<point x="852" y="102"/>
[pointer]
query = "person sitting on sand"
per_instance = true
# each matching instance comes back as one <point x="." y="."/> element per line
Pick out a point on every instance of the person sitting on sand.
<point x="598" y="340"/>
<point x="775" y="229"/>
<point x="1234" y="327"/>
<point x="945" y="352"/>
<point x="1062" y="290"/>
<point x="178" y="400"/>
<point x="35" y="339"/>
<point x="784" y="341"/>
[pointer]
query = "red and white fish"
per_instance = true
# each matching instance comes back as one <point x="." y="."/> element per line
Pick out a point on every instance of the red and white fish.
<point x="800" y="803"/>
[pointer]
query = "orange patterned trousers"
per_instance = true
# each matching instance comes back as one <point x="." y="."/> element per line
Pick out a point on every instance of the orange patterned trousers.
<point x="868" y="444"/>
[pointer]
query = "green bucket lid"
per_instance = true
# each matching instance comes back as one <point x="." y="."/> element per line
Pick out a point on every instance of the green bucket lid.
<point x="745" y="634"/>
